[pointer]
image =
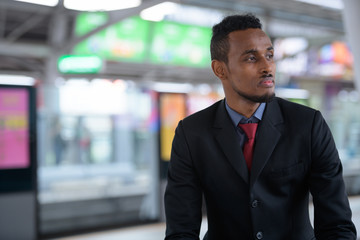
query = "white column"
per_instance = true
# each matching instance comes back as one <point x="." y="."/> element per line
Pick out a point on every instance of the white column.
<point x="351" y="19"/>
<point x="57" y="37"/>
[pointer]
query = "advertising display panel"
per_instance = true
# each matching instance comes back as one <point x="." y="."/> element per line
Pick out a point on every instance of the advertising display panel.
<point x="137" y="40"/>
<point x="124" y="41"/>
<point x="17" y="138"/>
<point x="14" y="129"/>
<point x="172" y="110"/>
<point x="180" y="44"/>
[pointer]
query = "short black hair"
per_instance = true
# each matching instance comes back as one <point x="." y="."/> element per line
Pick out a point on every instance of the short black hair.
<point x="219" y="46"/>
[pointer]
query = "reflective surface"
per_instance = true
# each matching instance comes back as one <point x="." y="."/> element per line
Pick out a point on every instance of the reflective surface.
<point x="98" y="158"/>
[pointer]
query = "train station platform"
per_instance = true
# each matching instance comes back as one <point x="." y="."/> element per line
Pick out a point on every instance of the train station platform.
<point x="156" y="231"/>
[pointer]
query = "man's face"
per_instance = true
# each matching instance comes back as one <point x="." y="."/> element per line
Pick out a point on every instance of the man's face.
<point x="250" y="71"/>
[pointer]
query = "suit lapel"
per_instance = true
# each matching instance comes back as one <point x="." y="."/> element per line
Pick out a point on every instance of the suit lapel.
<point x="226" y="137"/>
<point x="268" y="135"/>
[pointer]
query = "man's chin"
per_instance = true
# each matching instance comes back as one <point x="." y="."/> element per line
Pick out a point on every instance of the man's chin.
<point x="269" y="98"/>
<point x="261" y="99"/>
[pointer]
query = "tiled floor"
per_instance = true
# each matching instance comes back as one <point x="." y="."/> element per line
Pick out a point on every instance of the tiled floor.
<point x="146" y="232"/>
<point x="157" y="231"/>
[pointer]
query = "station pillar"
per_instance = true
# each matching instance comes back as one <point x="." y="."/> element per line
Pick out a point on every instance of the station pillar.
<point x="351" y="19"/>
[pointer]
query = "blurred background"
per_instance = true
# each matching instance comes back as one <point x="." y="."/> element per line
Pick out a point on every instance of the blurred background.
<point x="103" y="84"/>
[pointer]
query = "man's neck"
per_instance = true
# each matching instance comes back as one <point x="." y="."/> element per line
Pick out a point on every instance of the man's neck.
<point x="244" y="107"/>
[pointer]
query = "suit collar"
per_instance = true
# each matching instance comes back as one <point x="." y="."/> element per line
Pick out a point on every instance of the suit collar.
<point x="237" y="118"/>
<point x="268" y="135"/>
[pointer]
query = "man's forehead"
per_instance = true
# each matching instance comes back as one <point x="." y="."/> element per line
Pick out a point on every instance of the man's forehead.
<point x="248" y="34"/>
<point x="250" y="39"/>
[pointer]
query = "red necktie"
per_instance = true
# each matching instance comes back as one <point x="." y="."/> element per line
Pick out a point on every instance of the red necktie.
<point x="248" y="149"/>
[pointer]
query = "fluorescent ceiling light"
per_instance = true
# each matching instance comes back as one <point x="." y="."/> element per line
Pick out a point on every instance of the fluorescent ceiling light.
<point x="172" y="87"/>
<point x="193" y="15"/>
<point x="334" y="4"/>
<point x="50" y="3"/>
<point x="158" y="12"/>
<point x="17" y="80"/>
<point x="103" y="5"/>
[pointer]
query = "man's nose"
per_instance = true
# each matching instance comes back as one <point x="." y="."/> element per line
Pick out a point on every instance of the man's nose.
<point x="267" y="65"/>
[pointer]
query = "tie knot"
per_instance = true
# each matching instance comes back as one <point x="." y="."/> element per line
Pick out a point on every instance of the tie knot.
<point x="249" y="129"/>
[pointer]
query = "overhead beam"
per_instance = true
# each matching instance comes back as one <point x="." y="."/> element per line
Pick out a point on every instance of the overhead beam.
<point x="26" y="7"/>
<point x="24" y="49"/>
<point x="24" y="27"/>
<point x="272" y="10"/>
<point x="2" y="22"/>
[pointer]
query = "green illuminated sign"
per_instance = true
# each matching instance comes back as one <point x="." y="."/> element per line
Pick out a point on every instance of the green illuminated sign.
<point x="179" y="44"/>
<point x="131" y="40"/>
<point x="85" y="22"/>
<point x="80" y="64"/>
<point x="124" y="41"/>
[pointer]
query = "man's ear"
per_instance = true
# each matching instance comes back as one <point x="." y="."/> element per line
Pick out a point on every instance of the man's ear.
<point x="218" y="68"/>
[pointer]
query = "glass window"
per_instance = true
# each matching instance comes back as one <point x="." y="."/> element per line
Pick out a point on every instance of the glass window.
<point x="100" y="152"/>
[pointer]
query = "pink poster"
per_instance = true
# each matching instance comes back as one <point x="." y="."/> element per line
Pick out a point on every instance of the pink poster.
<point x="14" y="134"/>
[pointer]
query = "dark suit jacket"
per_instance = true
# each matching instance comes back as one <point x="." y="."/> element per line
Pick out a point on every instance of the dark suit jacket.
<point x="294" y="154"/>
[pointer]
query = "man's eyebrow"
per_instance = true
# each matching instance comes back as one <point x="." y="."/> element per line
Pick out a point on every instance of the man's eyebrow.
<point x="249" y="51"/>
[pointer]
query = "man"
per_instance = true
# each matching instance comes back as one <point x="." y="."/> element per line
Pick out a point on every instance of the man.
<point x="264" y="193"/>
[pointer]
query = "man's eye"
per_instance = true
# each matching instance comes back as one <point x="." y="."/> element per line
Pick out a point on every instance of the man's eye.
<point x="251" y="58"/>
<point x="270" y="56"/>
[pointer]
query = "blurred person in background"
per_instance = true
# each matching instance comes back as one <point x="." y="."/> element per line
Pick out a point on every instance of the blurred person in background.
<point x="59" y="143"/>
<point x="254" y="157"/>
<point x="83" y="139"/>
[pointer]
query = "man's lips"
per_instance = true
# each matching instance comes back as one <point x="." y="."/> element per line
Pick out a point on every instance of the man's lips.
<point x="267" y="81"/>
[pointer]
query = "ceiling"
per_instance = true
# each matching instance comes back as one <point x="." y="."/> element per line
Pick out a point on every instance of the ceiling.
<point x="30" y="35"/>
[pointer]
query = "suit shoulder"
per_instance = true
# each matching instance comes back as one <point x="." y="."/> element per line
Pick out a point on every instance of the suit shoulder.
<point x="292" y="114"/>
<point x="202" y="117"/>
<point x="295" y="108"/>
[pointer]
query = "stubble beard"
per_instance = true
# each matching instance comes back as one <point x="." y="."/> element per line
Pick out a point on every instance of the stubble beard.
<point x="257" y="99"/>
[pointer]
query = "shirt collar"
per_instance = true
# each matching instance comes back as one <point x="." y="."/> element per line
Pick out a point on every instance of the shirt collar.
<point x="237" y="118"/>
